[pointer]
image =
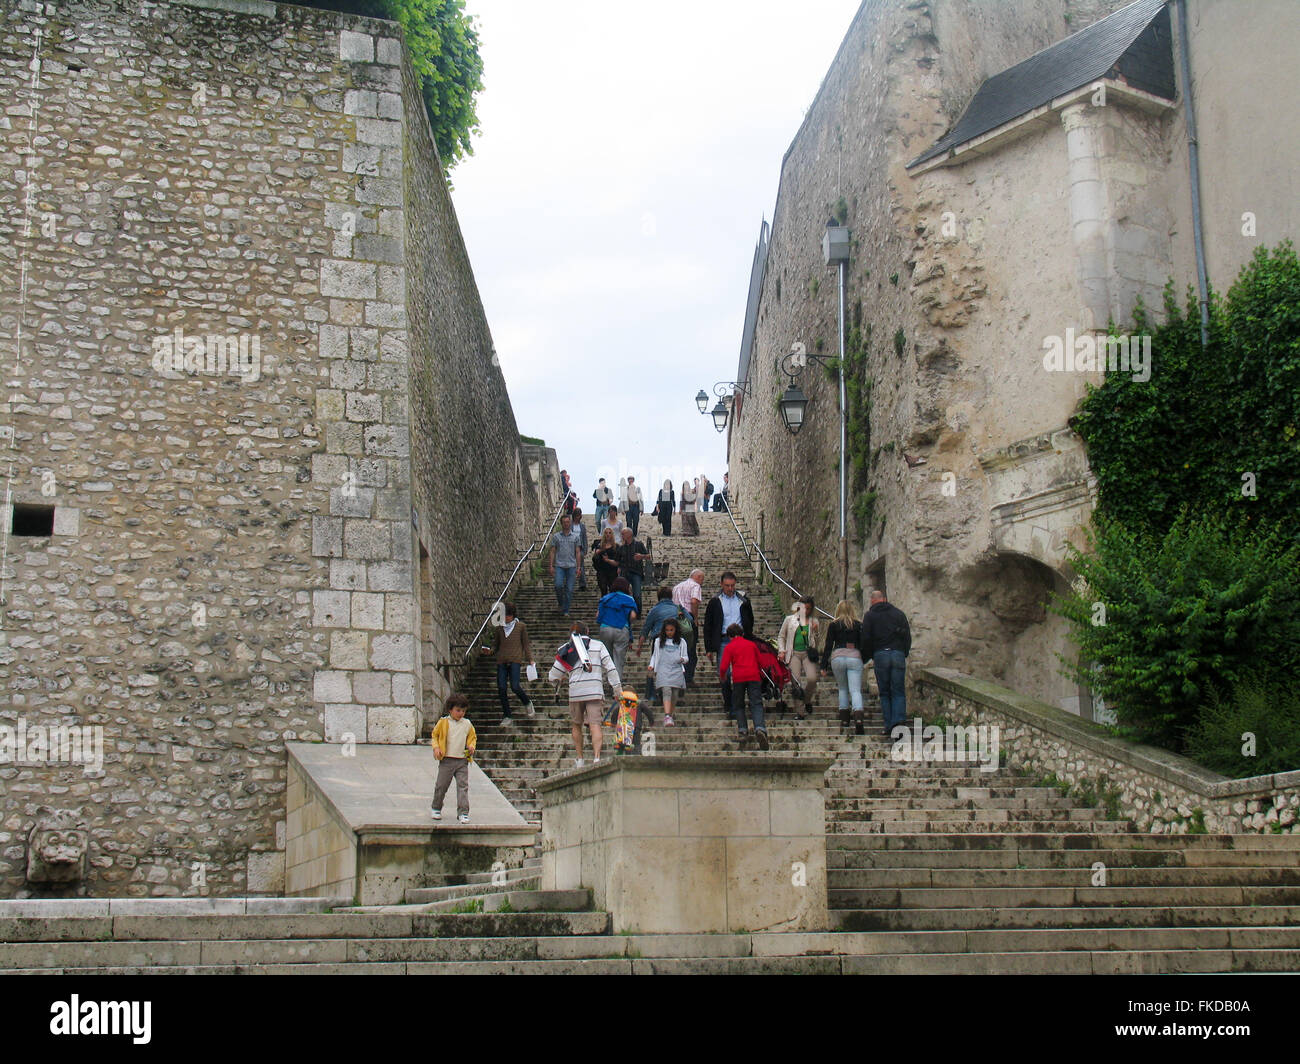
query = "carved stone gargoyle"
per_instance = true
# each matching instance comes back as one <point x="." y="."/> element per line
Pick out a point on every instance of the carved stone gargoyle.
<point x="57" y="849"/>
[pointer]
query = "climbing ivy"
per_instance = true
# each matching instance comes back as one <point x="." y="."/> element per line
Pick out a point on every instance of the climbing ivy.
<point x="857" y="390"/>
<point x="1215" y="427"/>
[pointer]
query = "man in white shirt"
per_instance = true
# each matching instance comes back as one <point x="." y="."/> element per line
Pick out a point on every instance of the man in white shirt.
<point x="586" y="693"/>
<point x="633" y="505"/>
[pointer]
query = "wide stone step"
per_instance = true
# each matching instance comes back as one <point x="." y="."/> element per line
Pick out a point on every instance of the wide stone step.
<point x="1028" y="858"/>
<point x="1055" y="897"/>
<point x="1119" y="962"/>
<point x="1116" y="876"/>
<point x="978" y="827"/>
<point x="1078" y="840"/>
<point x="959" y="816"/>
<point x="1026" y="940"/>
<point x="344" y="925"/>
<point x="1033" y="802"/>
<point x="500" y="901"/>
<point x="1096" y="916"/>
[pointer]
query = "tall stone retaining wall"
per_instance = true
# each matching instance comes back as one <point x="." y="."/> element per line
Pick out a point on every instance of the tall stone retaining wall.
<point x="1159" y="791"/>
<point x="247" y="366"/>
<point x="958" y="273"/>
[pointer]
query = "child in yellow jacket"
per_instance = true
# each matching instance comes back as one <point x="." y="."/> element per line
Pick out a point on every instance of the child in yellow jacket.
<point x="454" y="742"/>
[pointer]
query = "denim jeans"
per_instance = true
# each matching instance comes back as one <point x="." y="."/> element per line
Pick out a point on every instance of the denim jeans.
<point x="891" y="674"/>
<point x="727" y="706"/>
<point x="704" y="503"/>
<point x="633" y="516"/>
<point x="753" y="690"/>
<point x="564" y="580"/>
<point x="508" y="673"/>
<point x="602" y="508"/>
<point x="616" y="641"/>
<point x="848" y="675"/>
<point x="637" y="580"/>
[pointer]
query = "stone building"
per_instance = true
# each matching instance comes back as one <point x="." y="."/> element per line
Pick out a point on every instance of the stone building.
<point x="1014" y="176"/>
<point x="262" y="461"/>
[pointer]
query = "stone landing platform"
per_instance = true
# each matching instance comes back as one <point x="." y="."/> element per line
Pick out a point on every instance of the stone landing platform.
<point x="359" y="825"/>
<point x="690" y="845"/>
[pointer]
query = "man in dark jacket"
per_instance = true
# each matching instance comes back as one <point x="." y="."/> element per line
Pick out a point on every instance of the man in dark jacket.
<point x="725" y="609"/>
<point x="887" y="636"/>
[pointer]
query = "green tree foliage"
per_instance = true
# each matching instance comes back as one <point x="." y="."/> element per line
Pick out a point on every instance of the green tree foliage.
<point x="444" y="52"/>
<point x="1196" y="557"/>
<point x="1266" y="711"/>
<point x="1175" y="618"/>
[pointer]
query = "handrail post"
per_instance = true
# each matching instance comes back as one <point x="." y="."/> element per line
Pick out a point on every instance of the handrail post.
<point x="759" y="557"/>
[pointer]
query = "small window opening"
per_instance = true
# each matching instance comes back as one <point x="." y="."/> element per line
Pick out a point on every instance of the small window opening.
<point x="32" y="519"/>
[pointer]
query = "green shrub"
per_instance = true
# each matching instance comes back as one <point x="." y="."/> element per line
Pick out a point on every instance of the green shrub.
<point x="1167" y="620"/>
<point x="1263" y="707"/>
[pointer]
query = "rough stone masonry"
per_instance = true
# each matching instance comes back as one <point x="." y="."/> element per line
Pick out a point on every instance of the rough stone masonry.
<point x="246" y="365"/>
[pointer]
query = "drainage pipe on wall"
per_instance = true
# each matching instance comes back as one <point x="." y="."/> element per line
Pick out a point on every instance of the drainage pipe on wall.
<point x="1194" y="166"/>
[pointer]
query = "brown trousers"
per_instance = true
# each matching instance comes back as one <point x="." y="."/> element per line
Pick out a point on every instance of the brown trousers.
<point x="447" y="768"/>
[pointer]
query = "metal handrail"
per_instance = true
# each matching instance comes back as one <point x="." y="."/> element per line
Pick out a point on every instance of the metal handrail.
<point x="515" y="572"/>
<point x="763" y="558"/>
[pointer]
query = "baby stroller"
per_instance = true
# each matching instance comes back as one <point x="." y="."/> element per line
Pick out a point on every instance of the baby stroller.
<point x="775" y="675"/>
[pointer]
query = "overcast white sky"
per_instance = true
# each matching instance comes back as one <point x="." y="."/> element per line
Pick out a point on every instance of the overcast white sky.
<point x="629" y="153"/>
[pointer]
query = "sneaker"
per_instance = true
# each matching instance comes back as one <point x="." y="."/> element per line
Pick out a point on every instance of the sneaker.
<point x="531" y="711"/>
<point x="435" y="813"/>
<point x="761" y="734"/>
<point x="668" y="721"/>
<point x="742" y="738"/>
<point x="578" y="763"/>
<point x="463" y="818"/>
<point x="507" y="722"/>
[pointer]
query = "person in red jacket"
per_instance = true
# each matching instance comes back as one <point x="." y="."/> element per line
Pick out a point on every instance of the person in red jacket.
<point x="741" y="657"/>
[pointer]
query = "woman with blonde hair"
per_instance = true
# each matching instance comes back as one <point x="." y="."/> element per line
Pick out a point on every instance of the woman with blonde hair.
<point x="605" y="560"/>
<point x="844" y="645"/>
<point x="796" y="646"/>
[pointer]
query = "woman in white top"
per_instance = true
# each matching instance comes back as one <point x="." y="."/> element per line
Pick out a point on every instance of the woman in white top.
<point x="614" y="524"/>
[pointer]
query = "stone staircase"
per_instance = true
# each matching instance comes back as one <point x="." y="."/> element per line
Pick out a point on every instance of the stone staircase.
<point x="932" y="867"/>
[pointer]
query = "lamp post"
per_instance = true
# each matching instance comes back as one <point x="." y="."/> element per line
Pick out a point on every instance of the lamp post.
<point x="794" y="404"/>
<point x="726" y="393"/>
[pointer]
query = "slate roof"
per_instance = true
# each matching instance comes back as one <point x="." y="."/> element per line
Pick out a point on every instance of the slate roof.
<point x="1134" y="44"/>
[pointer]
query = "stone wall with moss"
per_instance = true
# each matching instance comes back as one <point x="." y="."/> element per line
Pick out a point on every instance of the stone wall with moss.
<point x="247" y="366"/>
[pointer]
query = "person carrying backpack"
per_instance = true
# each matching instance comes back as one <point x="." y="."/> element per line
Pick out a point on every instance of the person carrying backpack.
<point x="586" y="664"/>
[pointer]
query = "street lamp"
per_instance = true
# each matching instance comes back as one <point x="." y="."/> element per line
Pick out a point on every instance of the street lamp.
<point x="720" y="413"/>
<point x="726" y="393"/>
<point x="793" y="405"/>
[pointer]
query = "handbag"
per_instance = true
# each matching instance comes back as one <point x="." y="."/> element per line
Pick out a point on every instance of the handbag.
<point x="531" y="671"/>
<point x="814" y="655"/>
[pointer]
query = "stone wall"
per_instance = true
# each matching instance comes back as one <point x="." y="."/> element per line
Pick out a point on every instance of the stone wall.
<point x="957" y="276"/>
<point x="1158" y="791"/>
<point x="283" y="550"/>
